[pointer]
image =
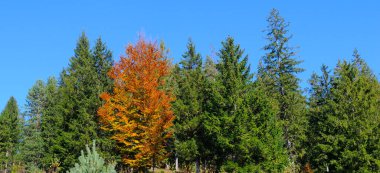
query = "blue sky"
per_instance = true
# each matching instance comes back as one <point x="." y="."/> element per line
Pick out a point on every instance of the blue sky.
<point x="37" y="38"/>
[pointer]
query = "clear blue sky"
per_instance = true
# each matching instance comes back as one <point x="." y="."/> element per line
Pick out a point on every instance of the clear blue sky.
<point x="37" y="38"/>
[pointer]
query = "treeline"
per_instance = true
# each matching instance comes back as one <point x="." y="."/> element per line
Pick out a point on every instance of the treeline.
<point x="199" y="115"/>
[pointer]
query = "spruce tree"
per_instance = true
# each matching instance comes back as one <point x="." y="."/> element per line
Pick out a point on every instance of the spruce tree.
<point x="81" y="85"/>
<point x="32" y="143"/>
<point x="249" y="135"/>
<point x="103" y="62"/>
<point x="278" y="73"/>
<point x="273" y="156"/>
<point x="348" y="125"/>
<point x="212" y="159"/>
<point x="71" y="111"/>
<point x="235" y="82"/>
<point x="77" y="90"/>
<point x="188" y="108"/>
<point x="319" y="95"/>
<point x="52" y="127"/>
<point x="10" y="130"/>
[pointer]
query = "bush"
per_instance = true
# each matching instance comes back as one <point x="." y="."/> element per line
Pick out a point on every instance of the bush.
<point x="92" y="163"/>
<point x="232" y="167"/>
<point x="31" y="168"/>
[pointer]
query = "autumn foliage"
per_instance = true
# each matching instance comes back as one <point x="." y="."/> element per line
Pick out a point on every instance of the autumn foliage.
<point x="138" y="111"/>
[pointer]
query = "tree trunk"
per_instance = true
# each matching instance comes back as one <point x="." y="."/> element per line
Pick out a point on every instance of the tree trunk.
<point x="197" y="166"/>
<point x="176" y="164"/>
<point x="6" y="162"/>
<point x="204" y="166"/>
<point x="153" y="164"/>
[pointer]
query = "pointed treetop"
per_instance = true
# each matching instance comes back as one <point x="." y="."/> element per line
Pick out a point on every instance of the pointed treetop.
<point x="361" y="65"/>
<point x="83" y="45"/>
<point x="277" y="26"/>
<point x="11" y="107"/>
<point x="191" y="59"/>
<point x="232" y="62"/>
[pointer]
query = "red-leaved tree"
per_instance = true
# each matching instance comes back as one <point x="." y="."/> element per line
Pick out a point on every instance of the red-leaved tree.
<point x="138" y="111"/>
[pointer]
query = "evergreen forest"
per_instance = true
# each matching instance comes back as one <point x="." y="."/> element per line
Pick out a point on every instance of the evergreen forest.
<point x="204" y="114"/>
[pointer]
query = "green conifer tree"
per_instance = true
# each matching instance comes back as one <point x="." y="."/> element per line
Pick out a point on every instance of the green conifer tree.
<point x="348" y="125"/>
<point x="103" y="62"/>
<point x="79" y="89"/>
<point x="32" y="142"/>
<point x="188" y="108"/>
<point x="52" y="127"/>
<point x="92" y="163"/>
<point x="235" y="82"/>
<point x="319" y="96"/>
<point x="273" y="156"/>
<point x="278" y="73"/>
<point x="10" y="131"/>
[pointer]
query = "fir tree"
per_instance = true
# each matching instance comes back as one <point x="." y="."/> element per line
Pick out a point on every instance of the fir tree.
<point x="70" y="119"/>
<point x="103" y="62"/>
<point x="32" y="143"/>
<point x="188" y="108"/>
<point x="52" y="127"/>
<point x="78" y="90"/>
<point x="234" y="81"/>
<point x="212" y="159"/>
<point x="81" y="85"/>
<point x="319" y="96"/>
<point x="10" y="130"/>
<point x="273" y="156"/>
<point x="348" y="125"/>
<point x="278" y="73"/>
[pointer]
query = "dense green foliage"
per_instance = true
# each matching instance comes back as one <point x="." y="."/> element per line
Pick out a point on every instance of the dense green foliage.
<point x="77" y="101"/>
<point x="278" y="73"/>
<point x="226" y="118"/>
<point x="189" y="108"/>
<point x="92" y="162"/>
<point x="32" y="143"/>
<point x="344" y="118"/>
<point x="10" y="130"/>
<point x="51" y="127"/>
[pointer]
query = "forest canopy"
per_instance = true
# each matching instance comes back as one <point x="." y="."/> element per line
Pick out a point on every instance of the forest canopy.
<point x="202" y="114"/>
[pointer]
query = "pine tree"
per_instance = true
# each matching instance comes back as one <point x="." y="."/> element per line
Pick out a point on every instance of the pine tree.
<point x="92" y="163"/>
<point x="10" y="130"/>
<point x="278" y="73"/>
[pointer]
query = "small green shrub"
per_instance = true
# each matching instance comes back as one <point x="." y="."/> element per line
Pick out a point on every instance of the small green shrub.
<point x="92" y="163"/>
<point x="232" y="167"/>
<point x="31" y="168"/>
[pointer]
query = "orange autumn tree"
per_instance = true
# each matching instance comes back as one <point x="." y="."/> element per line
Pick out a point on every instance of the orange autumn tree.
<point x="138" y="111"/>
